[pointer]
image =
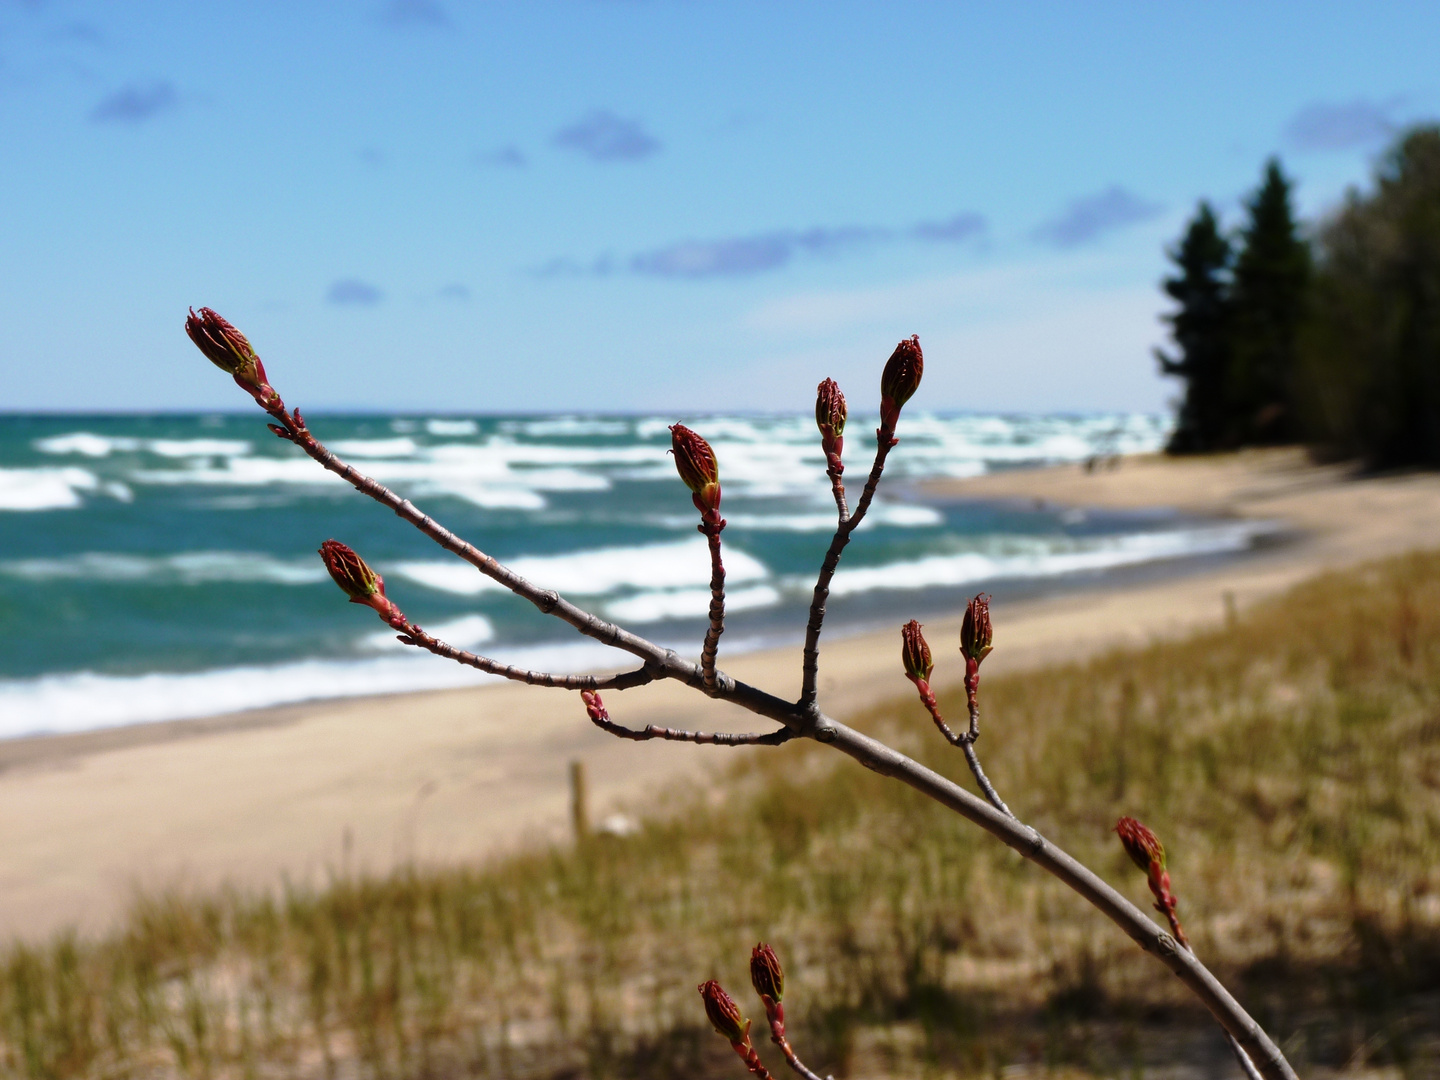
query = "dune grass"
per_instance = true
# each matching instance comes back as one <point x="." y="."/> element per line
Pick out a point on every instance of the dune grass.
<point x="1290" y="762"/>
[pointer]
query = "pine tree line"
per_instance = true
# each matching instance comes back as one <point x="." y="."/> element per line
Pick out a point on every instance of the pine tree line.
<point x="1331" y="339"/>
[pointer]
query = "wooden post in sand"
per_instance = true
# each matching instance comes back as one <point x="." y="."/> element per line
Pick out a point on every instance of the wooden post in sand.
<point x="579" y="816"/>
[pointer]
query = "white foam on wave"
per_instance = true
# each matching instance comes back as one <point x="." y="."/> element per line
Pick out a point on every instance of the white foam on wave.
<point x="88" y="444"/>
<point x="472" y="473"/>
<point x="187" y="448"/>
<point x="566" y="427"/>
<point x="596" y="572"/>
<point x="83" y="701"/>
<point x="183" y="568"/>
<point x="1051" y="558"/>
<point x="45" y="488"/>
<point x="896" y="515"/>
<point x="657" y="606"/>
<point x="465" y="632"/>
<point x="452" y="428"/>
<point x="85" y="443"/>
<point x="375" y="448"/>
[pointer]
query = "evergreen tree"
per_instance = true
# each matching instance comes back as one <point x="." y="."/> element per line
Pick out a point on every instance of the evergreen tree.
<point x="1200" y="330"/>
<point x="1372" y="348"/>
<point x="1268" y="305"/>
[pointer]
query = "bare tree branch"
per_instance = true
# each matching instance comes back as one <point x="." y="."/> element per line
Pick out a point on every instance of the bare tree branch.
<point x="811" y="665"/>
<point x="711" y="647"/>
<point x="413" y="635"/>
<point x="600" y="716"/>
<point x="228" y="349"/>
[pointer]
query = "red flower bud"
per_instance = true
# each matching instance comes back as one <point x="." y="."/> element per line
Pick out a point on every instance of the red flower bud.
<point x="1142" y="845"/>
<point x="695" y="462"/>
<point x="766" y="974"/>
<point x="900" y="380"/>
<point x="225" y="347"/>
<point x="724" y="1014"/>
<point x="915" y="652"/>
<point x="975" y="631"/>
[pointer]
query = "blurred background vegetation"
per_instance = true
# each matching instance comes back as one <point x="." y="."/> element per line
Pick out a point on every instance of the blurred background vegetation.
<point x="1290" y="762"/>
<point x="1329" y="334"/>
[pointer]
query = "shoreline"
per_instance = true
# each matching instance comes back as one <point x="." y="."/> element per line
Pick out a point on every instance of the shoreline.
<point x="451" y="776"/>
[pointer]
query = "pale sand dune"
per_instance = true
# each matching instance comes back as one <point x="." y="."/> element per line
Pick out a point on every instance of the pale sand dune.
<point x="451" y="776"/>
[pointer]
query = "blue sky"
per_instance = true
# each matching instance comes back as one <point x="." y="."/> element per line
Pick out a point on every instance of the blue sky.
<point x="649" y="204"/>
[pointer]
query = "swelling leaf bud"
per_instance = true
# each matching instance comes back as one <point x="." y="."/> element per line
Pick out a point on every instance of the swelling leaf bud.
<point x="975" y="631"/>
<point x="830" y="419"/>
<point x="225" y="347"/>
<point x="915" y="653"/>
<point x="830" y="409"/>
<point x="900" y="380"/>
<point x="1142" y="845"/>
<point x="350" y="572"/>
<point x="695" y="462"/>
<point x="724" y="1014"/>
<point x="766" y="974"/>
<point x="360" y="583"/>
<point x="594" y="706"/>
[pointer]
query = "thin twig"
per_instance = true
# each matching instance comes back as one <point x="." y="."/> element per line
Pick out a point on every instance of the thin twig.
<point x="1246" y="1065"/>
<point x="775" y="1018"/>
<point x="837" y="488"/>
<point x="291" y="427"/>
<point x="414" y="635"/>
<point x="966" y="742"/>
<point x="884" y="442"/>
<point x="600" y="717"/>
<point x="711" y="528"/>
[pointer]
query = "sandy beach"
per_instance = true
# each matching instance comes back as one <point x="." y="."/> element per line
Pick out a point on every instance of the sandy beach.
<point x="302" y="791"/>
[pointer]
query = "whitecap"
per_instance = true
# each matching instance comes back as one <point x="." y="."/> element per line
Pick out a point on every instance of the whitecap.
<point x="82" y="701"/>
<point x="1052" y="558"/>
<point x="183" y="568"/>
<point x="452" y="427"/>
<point x="44" y="488"/>
<point x="86" y="444"/>
<point x="465" y="632"/>
<point x="650" y="607"/>
<point x="188" y="448"/>
<point x="596" y="572"/>
<point x="375" y="448"/>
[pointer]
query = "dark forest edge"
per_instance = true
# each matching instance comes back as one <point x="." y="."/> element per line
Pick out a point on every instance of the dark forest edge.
<point x="1328" y="334"/>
